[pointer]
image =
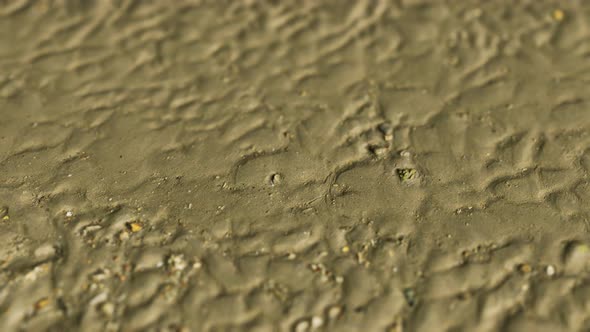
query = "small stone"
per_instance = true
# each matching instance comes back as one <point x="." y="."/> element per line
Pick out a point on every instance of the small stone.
<point x="176" y="263"/>
<point x="69" y="214"/>
<point x="134" y="227"/>
<point x="558" y="15"/>
<point x="123" y="236"/>
<point x="41" y="304"/>
<point x="197" y="265"/>
<point x="525" y="268"/>
<point x="90" y="229"/>
<point x="302" y="326"/>
<point x="345" y="249"/>
<point x="107" y="309"/>
<point x="334" y="312"/>
<point x="316" y="322"/>
<point x="314" y="267"/>
<point x="550" y="270"/>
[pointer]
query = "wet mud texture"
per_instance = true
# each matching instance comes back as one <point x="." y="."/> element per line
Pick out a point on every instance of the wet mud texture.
<point x="294" y="166"/>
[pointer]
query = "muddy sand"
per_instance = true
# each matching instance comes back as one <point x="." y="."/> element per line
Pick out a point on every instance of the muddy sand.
<point x="294" y="165"/>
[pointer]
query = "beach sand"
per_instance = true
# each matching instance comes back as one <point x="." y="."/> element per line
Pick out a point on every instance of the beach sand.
<point x="294" y="165"/>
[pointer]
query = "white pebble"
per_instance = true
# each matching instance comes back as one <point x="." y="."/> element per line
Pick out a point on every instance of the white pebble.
<point x="177" y="262"/>
<point x="302" y="326"/>
<point x="550" y="270"/>
<point x="334" y="312"/>
<point x="316" y="322"/>
<point x="197" y="265"/>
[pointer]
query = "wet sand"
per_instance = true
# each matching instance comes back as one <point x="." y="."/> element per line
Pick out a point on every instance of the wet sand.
<point x="294" y="165"/>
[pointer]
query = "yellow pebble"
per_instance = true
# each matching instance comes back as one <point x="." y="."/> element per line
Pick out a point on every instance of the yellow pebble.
<point x="135" y="227"/>
<point x="42" y="303"/>
<point x="558" y="15"/>
<point x="6" y="218"/>
<point x="345" y="249"/>
<point x="525" y="268"/>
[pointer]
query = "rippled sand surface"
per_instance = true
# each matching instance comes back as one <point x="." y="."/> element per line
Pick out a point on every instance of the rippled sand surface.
<point x="294" y="165"/>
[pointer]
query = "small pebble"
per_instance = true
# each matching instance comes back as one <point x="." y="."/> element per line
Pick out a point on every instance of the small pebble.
<point x="525" y="268"/>
<point x="558" y="15"/>
<point x="41" y="304"/>
<point x="107" y="309"/>
<point x="177" y="262"/>
<point x="550" y="270"/>
<point x="123" y="236"/>
<point x="334" y="312"/>
<point x="134" y="227"/>
<point x="302" y="326"/>
<point x="317" y="322"/>
<point x="197" y="265"/>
